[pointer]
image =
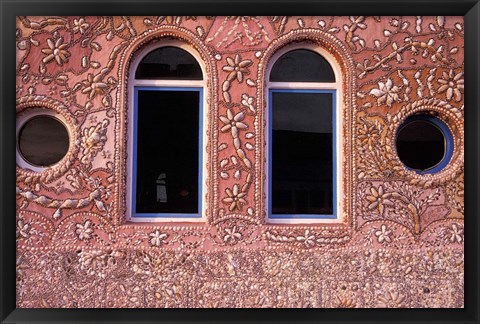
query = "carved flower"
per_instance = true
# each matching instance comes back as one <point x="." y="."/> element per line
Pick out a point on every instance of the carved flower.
<point x="452" y="84"/>
<point x="233" y="123"/>
<point x="80" y="25"/>
<point x="308" y="239"/>
<point x="368" y="135"/>
<point x="23" y="229"/>
<point x="90" y="259"/>
<point x="456" y="234"/>
<point x="157" y="238"/>
<point x="383" y="234"/>
<point x="93" y="86"/>
<point x="379" y="199"/>
<point x="235" y="198"/>
<point x="84" y="231"/>
<point x="232" y="235"/>
<point x="237" y="68"/>
<point x="247" y="101"/>
<point x="93" y="140"/>
<point x="74" y="178"/>
<point x="56" y="51"/>
<point x="96" y="262"/>
<point x="386" y="92"/>
<point x="391" y="300"/>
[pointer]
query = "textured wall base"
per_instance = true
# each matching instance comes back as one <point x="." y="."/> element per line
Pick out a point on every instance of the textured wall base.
<point x="341" y="278"/>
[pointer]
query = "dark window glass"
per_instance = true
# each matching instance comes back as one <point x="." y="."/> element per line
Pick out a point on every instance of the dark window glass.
<point x="166" y="63"/>
<point x="302" y="66"/>
<point x="302" y="153"/>
<point x="421" y="144"/>
<point x="167" y="160"/>
<point x="43" y="141"/>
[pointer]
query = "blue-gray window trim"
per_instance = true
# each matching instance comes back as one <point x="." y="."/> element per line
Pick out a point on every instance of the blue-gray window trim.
<point x="334" y="155"/>
<point x="134" y="214"/>
<point x="447" y="134"/>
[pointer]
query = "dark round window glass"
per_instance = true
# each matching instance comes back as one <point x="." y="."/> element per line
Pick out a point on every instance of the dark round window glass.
<point x="43" y="141"/>
<point x="302" y="65"/>
<point x="424" y="143"/>
<point x="169" y="63"/>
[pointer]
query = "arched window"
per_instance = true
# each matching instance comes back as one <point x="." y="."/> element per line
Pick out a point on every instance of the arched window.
<point x="302" y="137"/>
<point x="166" y="134"/>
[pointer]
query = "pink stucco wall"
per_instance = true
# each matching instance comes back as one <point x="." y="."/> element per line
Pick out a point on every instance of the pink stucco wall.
<point x="401" y="241"/>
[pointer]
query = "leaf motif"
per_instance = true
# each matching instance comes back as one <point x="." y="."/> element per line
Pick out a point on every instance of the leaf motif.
<point x="226" y="85"/>
<point x="224" y="175"/>
<point x="100" y="205"/>
<point x="376" y="92"/>
<point x="301" y="23"/>
<point x="223" y="163"/>
<point x="441" y="21"/>
<point x="200" y="31"/>
<point x="247" y="162"/>
<point x="57" y="214"/>
<point x="226" y="96"/>
<point x="96" y="46"/>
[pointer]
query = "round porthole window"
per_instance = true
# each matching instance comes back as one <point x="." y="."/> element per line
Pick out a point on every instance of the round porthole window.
<point x="424" y="144"/>
<point x="43" y="140"/>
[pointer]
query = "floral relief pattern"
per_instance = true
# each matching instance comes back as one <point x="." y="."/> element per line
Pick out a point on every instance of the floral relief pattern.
<point x="399" y="245"/>
<point x="386" y="93"/>
<point x="235" y="198"/>
<point x="452" y="85"/>
<point x="56" y="51"/>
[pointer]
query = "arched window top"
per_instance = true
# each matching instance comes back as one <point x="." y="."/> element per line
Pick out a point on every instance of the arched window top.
<point x="165" y="150"/>
<point x="169" y="63"/>
<point x="302" y="65"/>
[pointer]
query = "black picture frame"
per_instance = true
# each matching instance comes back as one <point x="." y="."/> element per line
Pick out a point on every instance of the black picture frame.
<point x="9" y="9"/>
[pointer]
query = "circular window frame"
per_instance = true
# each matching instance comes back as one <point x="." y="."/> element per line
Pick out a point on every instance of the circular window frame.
<point x="28" y="108"/>
<point x="20" y="127"/>
<point x="453" y="119"/>
<point x="447" y="137"/>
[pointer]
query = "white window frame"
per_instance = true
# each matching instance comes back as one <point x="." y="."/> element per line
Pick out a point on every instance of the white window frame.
<point x="132" y="85"/>
<point x="336" y="86"/>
